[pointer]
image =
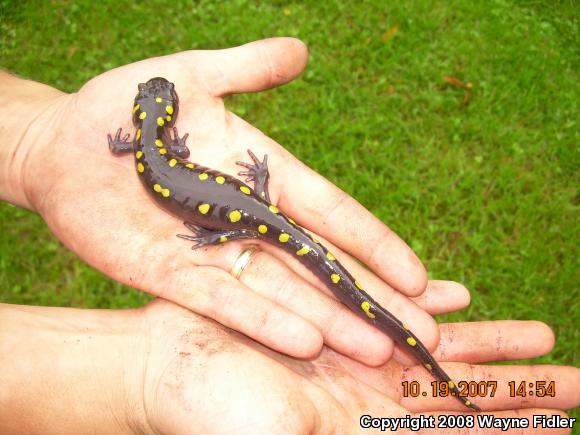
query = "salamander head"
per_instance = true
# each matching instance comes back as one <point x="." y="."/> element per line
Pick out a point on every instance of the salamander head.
<point x="158" y="93"/>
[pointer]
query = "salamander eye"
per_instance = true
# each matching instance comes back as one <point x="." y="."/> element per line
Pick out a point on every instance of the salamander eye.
<point x="141" y="86"/>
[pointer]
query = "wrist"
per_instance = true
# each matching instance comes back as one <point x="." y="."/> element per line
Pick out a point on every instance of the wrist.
<point x="26" y="109"/>
<point x="70" y="371"/>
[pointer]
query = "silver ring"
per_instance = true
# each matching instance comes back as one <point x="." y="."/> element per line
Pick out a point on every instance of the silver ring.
<point x="243" y="260"/>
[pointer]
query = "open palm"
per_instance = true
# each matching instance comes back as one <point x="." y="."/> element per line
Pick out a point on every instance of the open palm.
<point x="203" y="378"/>
<point x="96" y="205"/>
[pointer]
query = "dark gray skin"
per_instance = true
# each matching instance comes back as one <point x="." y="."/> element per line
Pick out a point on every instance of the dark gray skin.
<point x="217" y="207"/>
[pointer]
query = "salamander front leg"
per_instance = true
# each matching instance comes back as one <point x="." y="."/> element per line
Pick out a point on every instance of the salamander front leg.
<point x="177" y="145"/>
<point x="203" y="236"/>
<point x="258" y="173"/>
<point x="118" y="145"/>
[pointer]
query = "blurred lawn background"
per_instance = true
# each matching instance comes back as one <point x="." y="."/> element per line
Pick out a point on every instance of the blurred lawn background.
<point x="455" y="122"/>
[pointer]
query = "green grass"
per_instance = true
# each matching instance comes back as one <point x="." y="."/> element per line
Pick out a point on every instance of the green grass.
<point x="485" y="192"/>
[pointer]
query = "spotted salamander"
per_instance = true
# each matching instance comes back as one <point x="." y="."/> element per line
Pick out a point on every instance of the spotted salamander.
<point x="217" y="207"/>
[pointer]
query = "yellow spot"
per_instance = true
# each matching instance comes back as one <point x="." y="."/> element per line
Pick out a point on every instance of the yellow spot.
<point x="203" y="208"/>
<point x="358" y="285"/>
<point x="303" y="251"/>
<point x="406" y="326"/>
<point x="169" y="109"/>
<point x="136" y="108"/>
<point x="315" y="240"/>
<point x="162" y="151"/>
<point x="190" y="166"/>
<point x="223" y="239"/>
<point x="168" y="118"/>
<point x="203" y="176"/>
<point x="284" y="237"/>
<point x="139" y="154"/>
<point x="165" y="192"/>
<point x="160" y="121"/>
<point x="172" y="162"/>
<point x="411" y="341"/>
<point x="143" y="115"/>
<point x="451" y="384"/>
<point x="235" y="216"/>
<point x="429" y="367"/>
<point x="263" y="194"/>
<point x="292" y="221"/>
<point x="245" y="189"/>
<point x="159" y="99"/>
<point x="273" y="209"/>
<point x="467" y="402"/>
<point x="366" y="307"/>
<point x="157" y="188"/>
<point x="159" y="143"/>
<point x="140" y="167"/>
<point x="220" y="180"/>
<point x="335" y="278"/>
<point x="138" y="134"/>
<point x="330" y="256"/>
<point x="262" y="229"/>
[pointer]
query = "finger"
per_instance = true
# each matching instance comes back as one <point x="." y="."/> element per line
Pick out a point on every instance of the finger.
<point x="271" y="277"/>
<point x="216" y="294"/>
<point x="238" y="307"/>
<point x="441" y="297"/>
<point x="400" y="306"/>
<point x="282" y="279"/>
<point x="341" y="329"/>
<point x="326" y="210"/>
<point x="252" y="67"/>
<point x="274" y="269"/>
<point x="501" y="340"/>
<point x="335" y="215"/>
<point x="495" y="392"/>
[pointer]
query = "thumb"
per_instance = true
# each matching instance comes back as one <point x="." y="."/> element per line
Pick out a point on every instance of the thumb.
<point x="250" y="67"/>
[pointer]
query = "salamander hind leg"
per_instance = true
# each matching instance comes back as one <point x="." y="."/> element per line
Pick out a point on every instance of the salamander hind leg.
<point x="203" y="236"/>
<point x="118" y="145"/>
<point x="177" y="145"/>
<point x="258" y="173"/>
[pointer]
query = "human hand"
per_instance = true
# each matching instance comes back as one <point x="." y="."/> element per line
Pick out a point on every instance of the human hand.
<point x="199" y="372"/>
<point x="164" y="369"/>
<point x="95" y="204"/>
